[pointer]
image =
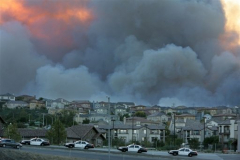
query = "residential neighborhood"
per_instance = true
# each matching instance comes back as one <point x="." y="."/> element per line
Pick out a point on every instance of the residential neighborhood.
<point x="127" y="122"/>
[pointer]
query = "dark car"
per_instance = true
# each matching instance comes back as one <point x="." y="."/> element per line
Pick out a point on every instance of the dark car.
<point x="133" y="148"/>
<point x="183" y="151"/>
<point x="10" y="143"/>
<point x="26" y="142"/>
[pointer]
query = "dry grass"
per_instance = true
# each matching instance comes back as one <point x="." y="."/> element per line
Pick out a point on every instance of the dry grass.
<point x="12" y="154"/>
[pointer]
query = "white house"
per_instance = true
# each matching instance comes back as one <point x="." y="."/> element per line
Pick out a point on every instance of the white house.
<point x="7" y="97"/>
<point x="15" y="104"/>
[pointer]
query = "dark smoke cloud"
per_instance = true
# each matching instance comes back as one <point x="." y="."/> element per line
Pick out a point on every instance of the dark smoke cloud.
<point x="145" y="51"/>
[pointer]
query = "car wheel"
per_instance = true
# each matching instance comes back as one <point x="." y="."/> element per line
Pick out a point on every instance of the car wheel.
<point x="124" y="150"/>
<point x="41" y="144"/>
<point x="174" y="153"/>
<point x="139" y="151"/>
<point x="17" y="147"/>
<point x="86" y="147"/>
<point x="190" y="155"/>
<point x="3" y="145"/>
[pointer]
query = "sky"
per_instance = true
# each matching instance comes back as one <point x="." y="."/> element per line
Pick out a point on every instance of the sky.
<point x="150" y="52"/>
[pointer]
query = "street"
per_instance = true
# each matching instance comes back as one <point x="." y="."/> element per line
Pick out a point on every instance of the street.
<point x="102" y="154"/>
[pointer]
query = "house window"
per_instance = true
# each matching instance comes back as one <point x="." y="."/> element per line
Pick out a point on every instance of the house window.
<point x="144" y="131"/>
<point x="123" y="131"/>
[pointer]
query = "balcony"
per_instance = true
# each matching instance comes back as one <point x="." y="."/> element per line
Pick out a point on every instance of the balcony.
<point x="225" y="132"/>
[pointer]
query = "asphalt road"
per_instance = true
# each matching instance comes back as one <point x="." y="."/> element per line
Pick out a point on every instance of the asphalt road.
<point x="102" y="154"/>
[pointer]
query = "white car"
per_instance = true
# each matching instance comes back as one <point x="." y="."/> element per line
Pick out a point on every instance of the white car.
<point x="132" y="148"/>
<point x="183" y="151"/>
<point x="39" y="142"/>
<point x="79" y="144"/>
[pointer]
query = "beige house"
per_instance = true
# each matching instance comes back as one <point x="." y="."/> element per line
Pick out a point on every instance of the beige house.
<point x="35" y="104"/>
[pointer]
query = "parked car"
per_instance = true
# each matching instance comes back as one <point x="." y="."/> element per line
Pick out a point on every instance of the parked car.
<point x="39" y="142"/>
<point x="10" y="143"/>
<point x="79" y="144"/>
<point x="183" y="151"/>
<point x="132" y="148"/>
<point x="26" y="142"/>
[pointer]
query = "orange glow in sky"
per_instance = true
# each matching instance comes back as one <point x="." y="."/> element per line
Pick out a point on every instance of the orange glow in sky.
<point x="50" y="21"/>
<point x="232" y="26"/>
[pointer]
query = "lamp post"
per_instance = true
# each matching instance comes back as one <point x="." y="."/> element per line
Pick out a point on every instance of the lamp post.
<point x="109" y="128"/>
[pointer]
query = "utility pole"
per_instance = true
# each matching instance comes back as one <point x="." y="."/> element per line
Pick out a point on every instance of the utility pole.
<point x="132" y="125"/>
<point x="174" y="128"/>
<point x="109" y="127"/>
<point x="204" y="129"/>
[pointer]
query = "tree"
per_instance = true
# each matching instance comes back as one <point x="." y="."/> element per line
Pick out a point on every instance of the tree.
<point x="122" y="116"/>
<point x="193" y="143"/>
<point x="140" y="114"/>
<point x="66" y="117"/>
<point x="210" y="140"/>
<point x="12" y="132"/>
<point x="57" y="133"/>
<point x="86" y="121"/>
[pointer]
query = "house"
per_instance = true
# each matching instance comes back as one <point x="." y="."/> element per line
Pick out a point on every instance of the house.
<point x="185" y="116"/>
<point x="224" y="116"/>
<point x="54" y="111"/>
<point x="25" y="98"/>
<point x="16" y="104"/>
<point x="120" y="110"/>
<point x="7" y="97"/>
<point x="2" y="123"/>
<point x="82" y="106"/>
<point x="187" y="110"/>
<point x="138" y="121"/>
<point x="227" y="131"/>
<point x="159" y="117"/>
<point x="58" y="104"/>
<point x="140" y="133"/>
<point x="85" y="132"/>
<point x="151" y="110"/>
<point x="192" y="129"/>
<point x="102" y="110"/>
<point x="35" y="104"/>
<point x="125" y="104"/>
<point x="95" y="117"/>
